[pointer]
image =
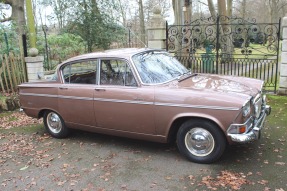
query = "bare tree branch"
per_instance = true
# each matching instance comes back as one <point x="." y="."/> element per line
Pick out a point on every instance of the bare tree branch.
<point x="282" y="6"/>
<point x="5" y="19"/>
<point x="203" y="3"/>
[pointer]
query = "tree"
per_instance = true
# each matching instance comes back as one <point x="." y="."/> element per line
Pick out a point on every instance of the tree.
<point x="177" y="9"/>
<point x="18" y="14"/>
<point x="142" y="22"/>
<point x="60" y="8"/>
<point x="31" y="24"/>
<point x="229" y="8"/>
<point x="95" y="27"/>
<point x="275" y="6"/>
<point x="211" y="8"/>
<point x="225" y="37"/>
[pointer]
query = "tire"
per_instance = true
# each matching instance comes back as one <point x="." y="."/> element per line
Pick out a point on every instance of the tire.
<point x="200" y="141"/>
<point x="55" y="124"/>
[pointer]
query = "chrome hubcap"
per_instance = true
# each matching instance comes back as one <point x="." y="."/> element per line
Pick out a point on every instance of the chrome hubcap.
<point x="54" y="122"/>
<point x="199" y="142"/>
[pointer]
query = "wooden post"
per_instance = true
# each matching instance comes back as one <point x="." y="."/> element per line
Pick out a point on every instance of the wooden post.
<point x="13" y="70"/>
<point x="5" y="78"/>
<point x="9" y="73"/>
<point x="1" y="82"/>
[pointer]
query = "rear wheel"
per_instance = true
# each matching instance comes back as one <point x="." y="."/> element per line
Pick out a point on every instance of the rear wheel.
<point x="55" y="125"/>
<point x="200" y="141"/>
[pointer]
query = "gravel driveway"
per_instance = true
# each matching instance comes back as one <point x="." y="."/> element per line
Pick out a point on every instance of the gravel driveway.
<point x="32" y="160"/>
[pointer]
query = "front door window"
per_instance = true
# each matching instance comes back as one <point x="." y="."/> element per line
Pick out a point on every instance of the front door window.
<point x="116" y="72"/>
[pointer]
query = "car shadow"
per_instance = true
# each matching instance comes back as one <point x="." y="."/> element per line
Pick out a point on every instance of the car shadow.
<point x="235" y="154"/>
<point x="122" y="142"/>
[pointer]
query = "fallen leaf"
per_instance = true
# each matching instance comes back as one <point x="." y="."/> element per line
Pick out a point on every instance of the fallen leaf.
<point x="280" y="163"/>
<point x="24" y="168"/>
<point x="263" y="182"/>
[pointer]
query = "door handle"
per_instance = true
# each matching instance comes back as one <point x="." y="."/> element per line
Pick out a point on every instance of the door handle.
<point x="63" y="88"/>
<point x="100" y="89"/>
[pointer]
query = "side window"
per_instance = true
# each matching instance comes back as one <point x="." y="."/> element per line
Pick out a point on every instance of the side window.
<point x="116" y="72"/>
<point x="81" y="73"/>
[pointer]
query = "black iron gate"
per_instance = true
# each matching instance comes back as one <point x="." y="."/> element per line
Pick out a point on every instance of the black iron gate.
<point x="229" y="46"/>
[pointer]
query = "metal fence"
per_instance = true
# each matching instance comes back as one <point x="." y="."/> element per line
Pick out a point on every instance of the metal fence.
<point x="229" y="46"/>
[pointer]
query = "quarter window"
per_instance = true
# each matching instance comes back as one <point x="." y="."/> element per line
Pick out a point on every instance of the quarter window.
<point x="81" y="73"/>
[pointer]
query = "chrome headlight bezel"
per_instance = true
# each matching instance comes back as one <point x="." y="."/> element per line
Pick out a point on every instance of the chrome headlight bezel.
<point x="246" y="109"/>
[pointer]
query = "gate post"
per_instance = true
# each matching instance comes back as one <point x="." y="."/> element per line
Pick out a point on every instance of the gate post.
<point x="34" y="66"/>
<point x="283" y="69"/>
<point x="156" y="30"/>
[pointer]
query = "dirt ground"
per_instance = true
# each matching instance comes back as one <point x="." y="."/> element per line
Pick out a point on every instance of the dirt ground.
<point x="32" y="160"/>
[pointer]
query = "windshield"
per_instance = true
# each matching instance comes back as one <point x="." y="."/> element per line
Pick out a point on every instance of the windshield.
<point x="158" y="67"/>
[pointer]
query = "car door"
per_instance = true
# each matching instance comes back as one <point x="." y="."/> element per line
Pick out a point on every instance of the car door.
<point x="119" y="103"/>
<point x="77" y="92"/>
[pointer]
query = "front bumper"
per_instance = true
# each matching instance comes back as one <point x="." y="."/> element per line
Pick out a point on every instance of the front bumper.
<point x="254" y="133"/>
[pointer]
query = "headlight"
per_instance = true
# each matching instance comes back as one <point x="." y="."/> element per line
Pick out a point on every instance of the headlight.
<point x="246" y="109"/>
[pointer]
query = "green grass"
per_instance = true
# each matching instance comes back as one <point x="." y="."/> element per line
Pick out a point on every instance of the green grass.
<point x="278" y="115"/>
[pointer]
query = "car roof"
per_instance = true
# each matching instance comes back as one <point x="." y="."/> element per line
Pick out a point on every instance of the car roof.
<point x="117" y="53"/>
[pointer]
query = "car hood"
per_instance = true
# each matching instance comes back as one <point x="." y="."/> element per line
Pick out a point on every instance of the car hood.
<point x="222" y="84"/>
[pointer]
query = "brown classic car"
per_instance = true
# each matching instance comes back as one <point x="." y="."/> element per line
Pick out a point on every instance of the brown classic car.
<point x="147" y="94"/>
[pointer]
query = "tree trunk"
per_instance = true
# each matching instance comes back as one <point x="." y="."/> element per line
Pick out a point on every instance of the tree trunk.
<point x="31" y="24"/>
<point x="225" y="37"/>
<point x="274" y="10"/>
<point x="177" y="9"/>
<point x="243" y="17"/>
<point x="222" y="7"/>
<point x="18" y="15"/>
<point x="142" y="24"/>
<point x="229" y="8"/>
<point x="187" y="12"/>
<point x="211" y="8"/>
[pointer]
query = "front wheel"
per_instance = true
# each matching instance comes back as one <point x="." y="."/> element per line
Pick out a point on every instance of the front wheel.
<point x="200" y="141"/>
<point x="55" y="125"/>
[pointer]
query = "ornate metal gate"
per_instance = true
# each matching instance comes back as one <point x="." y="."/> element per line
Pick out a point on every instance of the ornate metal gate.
<point x="229" y="46"/>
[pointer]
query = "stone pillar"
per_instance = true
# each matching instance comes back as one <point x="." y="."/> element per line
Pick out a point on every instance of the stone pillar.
<point x="156" y="30"/>
<point x="283" y="68"/>
<point x="34" y="66"/>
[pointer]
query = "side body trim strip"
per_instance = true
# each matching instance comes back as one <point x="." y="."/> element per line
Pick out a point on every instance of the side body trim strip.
<point x="135" y="102"/>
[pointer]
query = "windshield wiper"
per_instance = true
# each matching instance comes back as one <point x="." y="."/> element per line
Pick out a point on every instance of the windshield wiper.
<point x="186" y="77"/>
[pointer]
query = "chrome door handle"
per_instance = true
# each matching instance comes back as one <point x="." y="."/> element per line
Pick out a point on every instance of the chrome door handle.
<point x="100" y="89"/>
<point x="63" y="88"/>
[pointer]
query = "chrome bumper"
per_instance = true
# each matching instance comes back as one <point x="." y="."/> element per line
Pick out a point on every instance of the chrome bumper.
<point x="254" y="133"/>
